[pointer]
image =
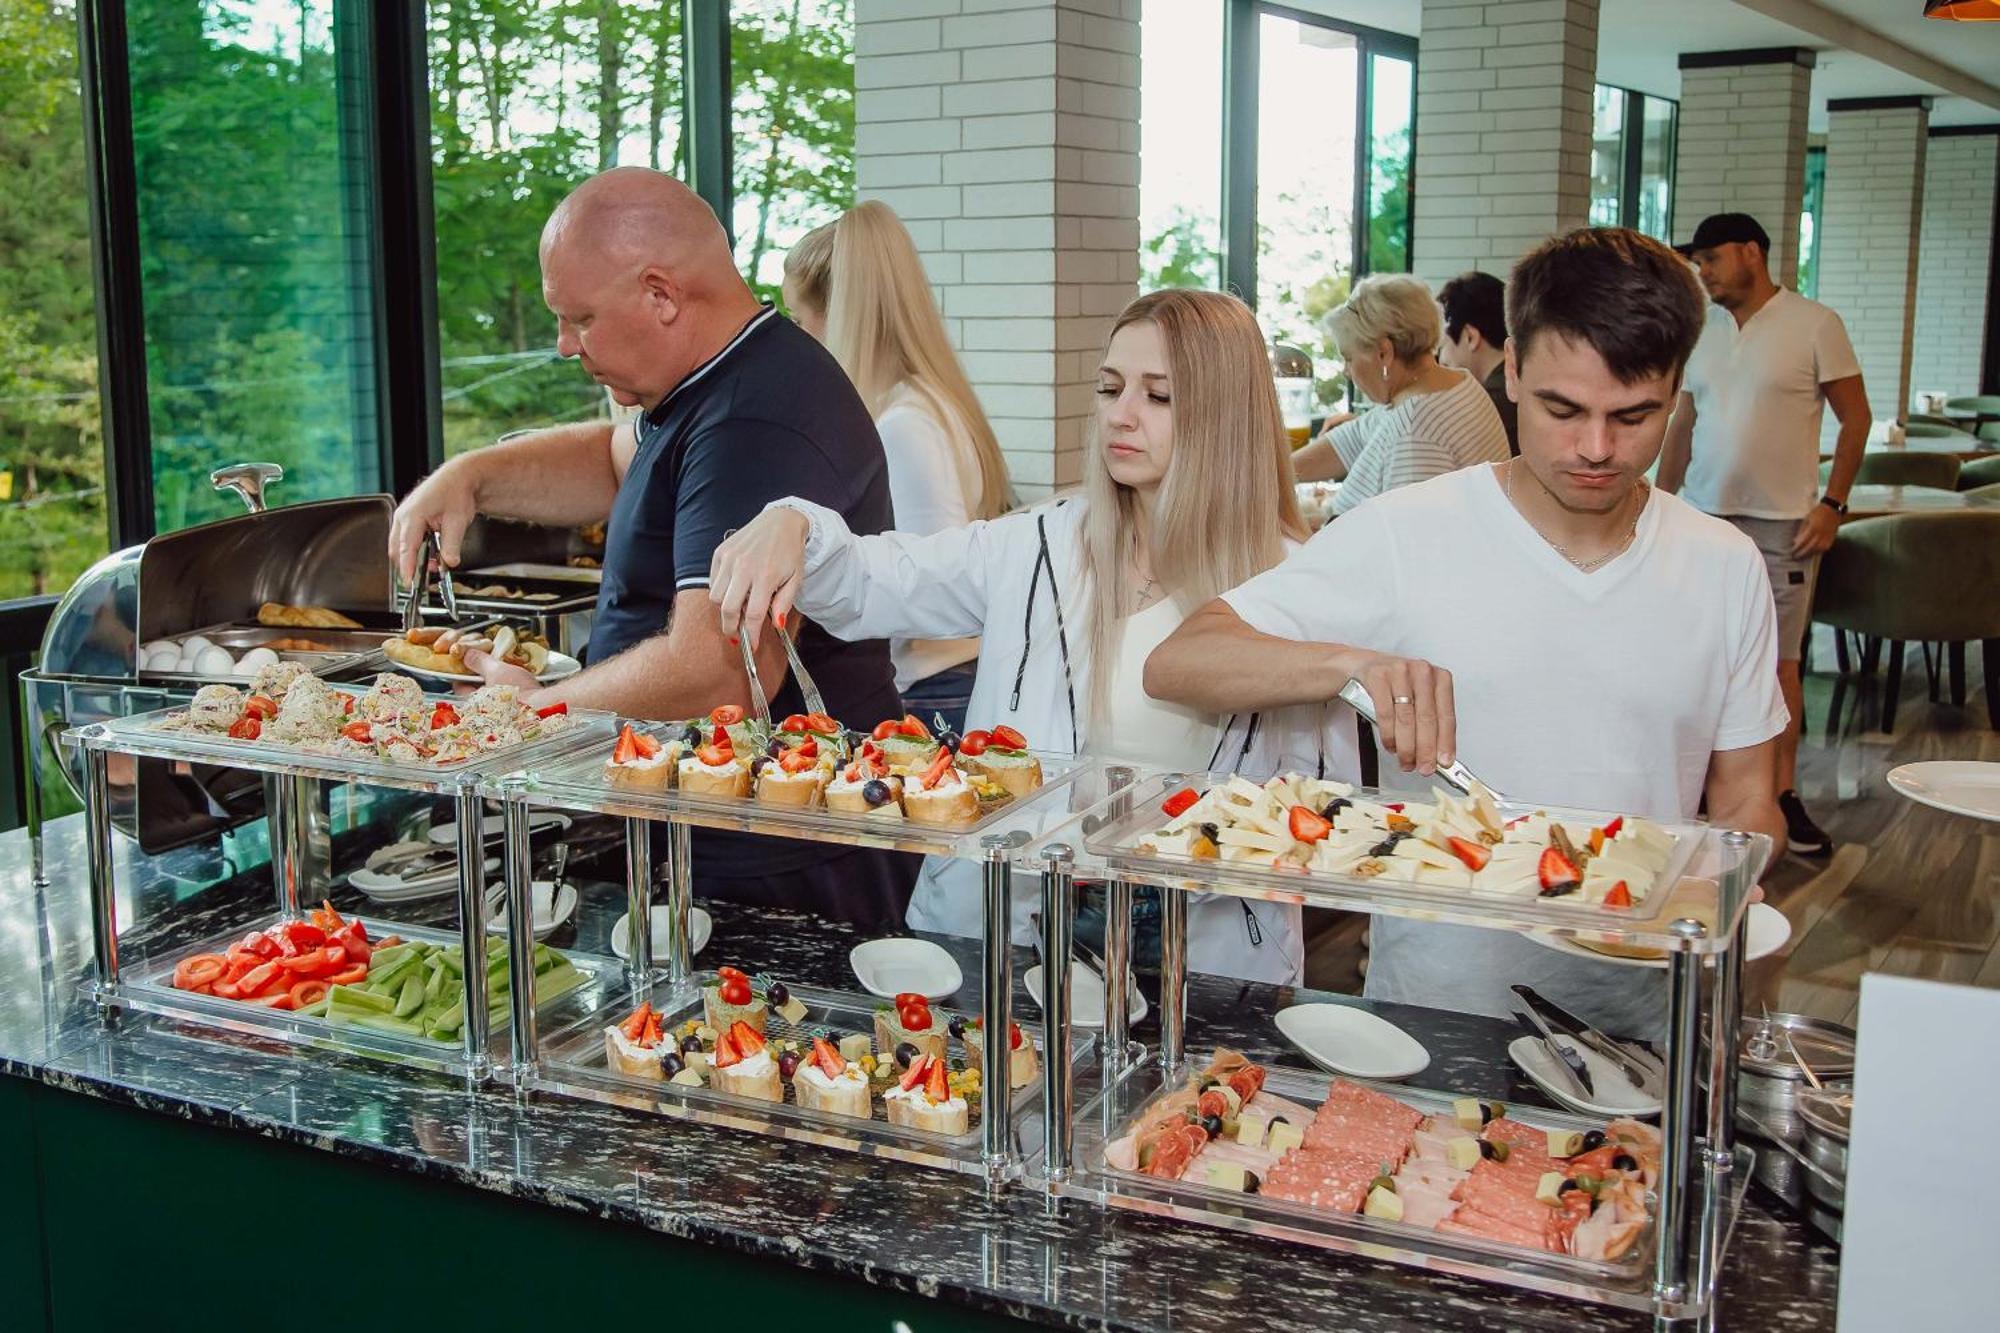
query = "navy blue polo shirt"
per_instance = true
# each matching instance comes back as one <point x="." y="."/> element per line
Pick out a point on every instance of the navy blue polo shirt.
<point x="770" y="415"/>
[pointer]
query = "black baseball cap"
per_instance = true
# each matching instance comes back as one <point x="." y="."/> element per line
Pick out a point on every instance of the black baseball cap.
<point x="1725" y="228"/>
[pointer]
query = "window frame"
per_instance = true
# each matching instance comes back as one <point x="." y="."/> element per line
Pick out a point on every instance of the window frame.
<point x="1632" y="152"/>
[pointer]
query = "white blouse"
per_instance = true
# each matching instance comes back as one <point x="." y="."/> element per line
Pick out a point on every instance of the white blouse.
<point x="934" y="485"/>
<point x="1141" y="729"/>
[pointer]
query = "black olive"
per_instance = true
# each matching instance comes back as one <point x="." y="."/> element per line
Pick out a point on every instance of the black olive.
<point x="788" y="1065"/>
<point x="1593" y="1139"/>
<point x="1213" y="833"/>
<point x="690" y="1044"/>
<point x="905" y="1052"/>
<point x="776" y="747"/>
<point x="777" y="995"/>
<point x="948" y="739"/>
<point x="1250" y="1182"/>
<point x="1567" y="1186"/>
<point x="692" y="738"/>
<point x="1212" y="1125"/>
<point x="875" y="791"/>
<point x="1624" y="1161"/>
<point x="1486" y="1149"/>
<point x="671" y="1064"/>
<point x="1334" y="807"/>
<point x="1486" y="1113"/>
<point x="956" y="1027"/>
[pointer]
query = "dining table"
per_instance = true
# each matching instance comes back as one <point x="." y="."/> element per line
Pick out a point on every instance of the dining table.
<point x="1882" y="501"/>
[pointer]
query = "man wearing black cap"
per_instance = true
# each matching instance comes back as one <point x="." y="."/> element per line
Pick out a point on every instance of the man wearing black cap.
<point x="1744" y="443"/>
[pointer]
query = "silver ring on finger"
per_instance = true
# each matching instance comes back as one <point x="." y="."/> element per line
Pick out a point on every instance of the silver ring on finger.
<point x="1404" y="699"/>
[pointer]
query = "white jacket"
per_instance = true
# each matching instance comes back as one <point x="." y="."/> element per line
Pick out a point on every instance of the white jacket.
<point x="1015" y="582"/>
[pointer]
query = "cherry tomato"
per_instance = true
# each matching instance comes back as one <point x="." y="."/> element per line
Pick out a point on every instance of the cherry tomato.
<point x="1009" y="738"/>
<point x="735" y="992"/>
<point x="727" y="716"/>
<point x="246" y="728"/>
<point x="974" y="743"/>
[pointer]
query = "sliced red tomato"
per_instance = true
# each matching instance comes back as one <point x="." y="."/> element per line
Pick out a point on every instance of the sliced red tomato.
<point x="316" y="962"/>
<point x="884" y="730"/>
<point x="909" y="726"/>
<point x="246" y="728"/>
<point x="915" y="1017"/>
<point x="258" y="978"/>
<point x="795" y="722"/>
<point x="358" y="731"/>
<point x="306" y="993"/>
<point x="1008" y="738"/>
<point x="260" y="944"/>
<point x="715" y="756"/>
<point x="736" y="973"/>
<point x="261" y="706"/>
<point x="353" y="976"/>
<point x="326" y="904"/>
<point x="727" y="716"/>
<point x="552" y="710"/>
<point x="821" y="723"/>
<point x="353" y="937"/>
<point x="444" y="715"/>
<point x="797" y="760"/>
<point x="1177" y="804"/>
<point x="240" y="966"/>
<point x="303" y="934"/>
<point x="974" y="743"/>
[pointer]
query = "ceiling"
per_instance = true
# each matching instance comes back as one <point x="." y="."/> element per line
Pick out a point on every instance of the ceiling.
<point x="1866" y="48"/>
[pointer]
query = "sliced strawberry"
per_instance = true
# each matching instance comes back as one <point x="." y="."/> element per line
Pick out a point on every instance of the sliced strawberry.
<point x="936" y="772"/>
<point x="651" y="1037"/>
<point x="1470" y="852"/>
<point x="1557" y="874"/>
<point x="246" y="728"/>
<point x="909" y="726"/>
<point x="808" y="747"/>
<point x="715" y="756"/>
<point x="827" y="1058"/>
<point x="1619" y="896"/>
<point x="1008" y="738"/>
<point x="1615" y="827"/>
<point x="725" y="1053"/>
<point x="636" y="1024"/>
<point x="648" y="746"/>
<point x="1014" y="1036"/>
<point x="748" y="1040"/>
<point x="852" y="773"/>
<point x="627" y="748"/>
<point x="915" y="1073"/>
<point x="1396" y="806"/>
<point x="727" y="716"/>
<point x="1308" y="825"/>
<point x="974" y="742"/>
<point x="870" y="751"/>
<point x="1178" y="803"/>
<point x="797" y="761"/>
<point x="937" y="1082"/>
<point x="720" y="738"/>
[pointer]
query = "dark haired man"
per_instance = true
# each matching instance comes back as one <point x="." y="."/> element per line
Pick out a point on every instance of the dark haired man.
<point x="1744" y="444"/>
<point x="1475" y="339"/>
<point x="1581" y="638"/>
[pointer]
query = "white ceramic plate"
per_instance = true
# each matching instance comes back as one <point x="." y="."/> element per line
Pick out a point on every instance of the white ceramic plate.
<point x="1961" y="786"/>
<point x="1086" y="995"/>
<point x="395" y="889"/>
<point x="1350" y="1040"/>
<point x="1769" y="929"/>
<point x="560" y="665"/>
<point x="491" y="827"/>
<point x="1612" y="1094"/>
<point x="700" y="925"/>
<point x="547" y="922"/>
<point x="892" y="967"/>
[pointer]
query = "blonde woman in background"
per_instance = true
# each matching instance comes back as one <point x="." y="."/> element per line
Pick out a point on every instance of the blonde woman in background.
<point x="1187" y="491"/>
<point x="1433" y="420"/>
<point x="859" y="287"/>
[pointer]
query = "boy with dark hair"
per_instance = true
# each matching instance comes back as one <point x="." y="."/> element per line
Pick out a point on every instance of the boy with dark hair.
<point x="1475" y="340"/>
<point x="1583" y="639"/>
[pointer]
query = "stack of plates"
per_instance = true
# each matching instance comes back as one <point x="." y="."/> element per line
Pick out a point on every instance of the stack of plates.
<point x="432" y="882"/>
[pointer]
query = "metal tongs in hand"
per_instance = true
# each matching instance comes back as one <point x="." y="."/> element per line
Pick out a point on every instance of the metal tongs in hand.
<point x="814" y="702"/>
<point x="413" y="610"/>
<point x="1356" y="695"/>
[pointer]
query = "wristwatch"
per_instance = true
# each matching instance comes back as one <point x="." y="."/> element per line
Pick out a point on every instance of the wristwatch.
<point x="1837" y="506"/>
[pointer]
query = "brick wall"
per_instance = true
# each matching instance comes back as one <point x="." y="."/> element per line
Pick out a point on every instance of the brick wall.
<point x="1504" y="114"/>
<point x="1868" y="260"/>
<point x="1954" y="256"/>
<point x="1006" y="135"/>
<point x="1742" y="149"/>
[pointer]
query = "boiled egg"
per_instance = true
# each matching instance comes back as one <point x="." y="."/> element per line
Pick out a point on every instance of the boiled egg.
<point x="257" y="657"/>
<point x="215" y="662"/>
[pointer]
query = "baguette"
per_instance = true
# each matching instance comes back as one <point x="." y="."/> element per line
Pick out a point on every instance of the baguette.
<point x="950" y="1118"/>
<point x="1022" y="1065"/>
<point x="624" y="1056"/>
<point x="1020" y="774"/>
<point x="839" y="1096"/>
<point x="752" y="1078"/>
<point x="778" y="787"/>
<point x="955" y="804"/>
<point x="699" y="781"/>
<point x="850" y="800"/>
<point x="890" y="1033"/>
<point x="655" y="774"/>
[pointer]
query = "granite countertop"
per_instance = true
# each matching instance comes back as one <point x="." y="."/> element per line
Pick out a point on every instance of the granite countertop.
<point x="947" y="1236"/>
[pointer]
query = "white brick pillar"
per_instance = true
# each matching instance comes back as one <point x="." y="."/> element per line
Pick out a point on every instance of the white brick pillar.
<point x="1006" y="135"/>
<point x="1954" y="261"/>
<point x="1875" y="149"/>
<point x="1504" y="93"/>
<point x="1742" y="144"/>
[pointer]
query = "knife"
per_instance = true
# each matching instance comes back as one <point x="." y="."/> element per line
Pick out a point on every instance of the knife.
<point x="1567" y="1060"/>
<point x="1356" y="696"/>
<point x="1641" y="1067"/>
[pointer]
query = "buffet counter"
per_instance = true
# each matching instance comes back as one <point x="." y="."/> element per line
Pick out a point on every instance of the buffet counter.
<point x="153" y="1150"/>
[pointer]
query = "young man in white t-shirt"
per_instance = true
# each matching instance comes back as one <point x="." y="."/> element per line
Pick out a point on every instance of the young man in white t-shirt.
<point x="1744" y="444"/>
<point x="1580" y="638"/>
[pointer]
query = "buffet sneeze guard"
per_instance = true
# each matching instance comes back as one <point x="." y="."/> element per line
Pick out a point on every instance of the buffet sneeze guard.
<point x="1671" y="1271"/>
<point x="1006" y="1127"/>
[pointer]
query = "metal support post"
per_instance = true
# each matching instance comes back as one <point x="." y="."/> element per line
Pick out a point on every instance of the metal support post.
<point x="1058" y="930"/>
<point x="639" y="902"/>
<point x="1677" y="1119"/>
<point x="1118" y="963"/>
<point x="1725" y="1024"/>
<point x="1173" y="980"/>
<point x="520" y="873"/>
<point x="103" y="880"/>
<point x="680" y="902"/>
<point x="996" y="996"/>
<point x="472" y="925"/>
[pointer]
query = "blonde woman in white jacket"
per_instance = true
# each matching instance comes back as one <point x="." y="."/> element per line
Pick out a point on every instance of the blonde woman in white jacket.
<point x="1187" y="492"/>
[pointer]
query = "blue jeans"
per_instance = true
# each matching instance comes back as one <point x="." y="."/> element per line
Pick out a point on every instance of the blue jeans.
<point x="1093" y="914"/>
<point x="945" y="694"/>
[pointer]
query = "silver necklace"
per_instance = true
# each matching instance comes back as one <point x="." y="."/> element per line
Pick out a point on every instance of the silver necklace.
<point x="1595" y="561"/>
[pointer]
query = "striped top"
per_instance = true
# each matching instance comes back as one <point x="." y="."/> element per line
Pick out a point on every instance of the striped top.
<point x="1420" y="436"/>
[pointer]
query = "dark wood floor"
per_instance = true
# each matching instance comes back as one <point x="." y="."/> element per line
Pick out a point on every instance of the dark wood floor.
<point x="1909" y="890"/>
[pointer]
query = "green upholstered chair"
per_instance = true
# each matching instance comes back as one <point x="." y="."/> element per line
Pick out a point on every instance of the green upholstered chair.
<point x="1923" y="430"/>
<point x="1988" y="432"/>
<point x="1978" y="405"/>
<point x="1894" y="467"/>
<point x="1978" y="472"/>
<point x="1989" y="491"/>
<point x="1928" y="419"/>
<point x="1922" y="577"/>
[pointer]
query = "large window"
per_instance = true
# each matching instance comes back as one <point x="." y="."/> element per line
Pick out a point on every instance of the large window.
<point x="251" y="155"/>
<point x="1180" y="145"/>
<point x="52" y="522"/>
<point x="1392" y="108"/>
<point x="1632" y="160"/>
<point x="792" y="71"/>
<point x="528" y="99"/>
<point x="1809" y="217"/>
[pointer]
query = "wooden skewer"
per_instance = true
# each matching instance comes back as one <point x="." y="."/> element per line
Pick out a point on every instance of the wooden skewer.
<point x="1804" y="1068"/>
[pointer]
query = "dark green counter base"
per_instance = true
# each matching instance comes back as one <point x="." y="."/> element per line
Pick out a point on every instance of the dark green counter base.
<point x="116" y="1218"/>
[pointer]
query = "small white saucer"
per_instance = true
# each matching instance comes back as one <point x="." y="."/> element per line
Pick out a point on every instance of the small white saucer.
<point x="435" y="883"/>
<point x="1086" y="995"/>
<point x="892" y="967"/>
<point x="1612" y="1093"/>
<point x="491" y="827"/>
<point x="1960" y="786"/>
<point x="700" y="926"/>
<point x="1349" y="1040"/>
<point x="549" y="917"/>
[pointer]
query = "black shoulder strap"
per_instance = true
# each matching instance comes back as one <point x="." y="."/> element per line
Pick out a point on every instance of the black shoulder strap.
<point x="1043" y="560"/>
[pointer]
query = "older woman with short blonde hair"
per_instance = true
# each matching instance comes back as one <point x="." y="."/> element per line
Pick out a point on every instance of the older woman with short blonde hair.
<point x="1433" y="419"/>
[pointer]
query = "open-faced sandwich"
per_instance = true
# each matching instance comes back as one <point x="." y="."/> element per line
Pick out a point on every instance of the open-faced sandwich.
<point x="907" y="744"/>
<point x="731" y="1000"/>
<point x="866" y="786"/>
<point x="923" y="1099"/>
<point x="641" y="761"/>
<point x="639" y="1048"/>
<point x="432" y="648"/>
<point x="828" y="1081"/>
<point x="715" y="769"/>
<point x="910" y="1021"/>
<point x="746" y="733"/>
<point x="940" y="794"/>
<point x="1021" y="1063"/>
<point x="796" y="774"/>
<point x="742" y="1067"/>
<point x="1002" y="755"/>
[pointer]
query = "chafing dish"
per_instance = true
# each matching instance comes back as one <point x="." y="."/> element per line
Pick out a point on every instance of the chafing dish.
<point x="520" y="572"/>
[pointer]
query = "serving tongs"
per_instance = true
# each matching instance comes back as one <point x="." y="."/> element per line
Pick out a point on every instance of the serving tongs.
<point x="1574" y="1071"/>
<point x="1644" y="1070"/>
<point x="814" y="702"/>
<point x="1356" y="696"/>
<point x="413" y="610"/>
<point x="758" y="701"/>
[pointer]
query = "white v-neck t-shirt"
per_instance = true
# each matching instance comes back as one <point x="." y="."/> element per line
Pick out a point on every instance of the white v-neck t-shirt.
<point x="1758" y="400"/>
<point x="1606" y="690"/>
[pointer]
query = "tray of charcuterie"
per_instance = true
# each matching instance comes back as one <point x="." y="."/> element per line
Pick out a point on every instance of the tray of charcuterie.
<point x="1458" y="857"/>
<point x="901" y="784"/>
<point x="1298" y="1151"/>
<point x="391" y="729"/>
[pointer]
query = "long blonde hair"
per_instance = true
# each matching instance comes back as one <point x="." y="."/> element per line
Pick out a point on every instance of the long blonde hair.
<point x="882" y="325"/>
<point x="1226" y="503"/>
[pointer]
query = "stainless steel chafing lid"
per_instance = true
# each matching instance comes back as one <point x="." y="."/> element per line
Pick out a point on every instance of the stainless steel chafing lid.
<point x="1830" y="1113"/>
<point x="1827" y="1047"/>
<point x="94" y="629"/>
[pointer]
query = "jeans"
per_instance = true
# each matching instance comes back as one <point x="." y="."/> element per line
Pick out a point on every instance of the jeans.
<point x="945" y="694"/>
<point x="1093" y="914"/>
